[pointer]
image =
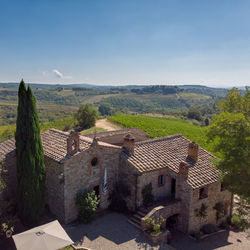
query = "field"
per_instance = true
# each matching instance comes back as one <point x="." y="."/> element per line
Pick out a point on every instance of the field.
<point x="60" y="101"/>
<point x="159" y="127"/>
<point x="8" y="131"/>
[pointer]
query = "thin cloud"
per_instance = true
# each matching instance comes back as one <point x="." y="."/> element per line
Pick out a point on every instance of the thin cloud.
<point x="57" y="73"/>
<point x="60" y="74"/>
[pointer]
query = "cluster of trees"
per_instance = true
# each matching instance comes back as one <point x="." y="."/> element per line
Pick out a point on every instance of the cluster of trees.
<point x="203" y="113"/>
<point x="106" y="109"/>
<point x="86" y="117"/>
<point x="157" y="89"/>
<point x="229" y="132"/>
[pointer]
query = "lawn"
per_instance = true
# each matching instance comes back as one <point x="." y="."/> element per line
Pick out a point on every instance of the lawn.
<point x="92" y="130"/>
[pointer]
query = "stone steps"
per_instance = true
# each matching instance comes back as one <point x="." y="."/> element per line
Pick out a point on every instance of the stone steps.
<point x="135" y="222"/>
<point x="136" y="218"/>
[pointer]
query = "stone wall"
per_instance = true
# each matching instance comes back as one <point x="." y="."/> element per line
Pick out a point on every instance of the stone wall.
<point x="183" y="193"/>
<point x="54" y="196"/>
<point x="129" y="176"/>
<point x="165" y="211"/>
<point x="79" y="174"/>
<point x="54" y="189"/>
<point x="214" y="195"/>
<point x="9" y="176"/>
<point x="159" y="192"/>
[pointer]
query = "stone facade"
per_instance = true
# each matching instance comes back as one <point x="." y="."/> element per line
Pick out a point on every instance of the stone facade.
<point x="55" y="187"/>
<point x="129" y="176"/>
<point x="180" y="173"/>
<point x="80" y="174"/>
<point x="214" y="195"/>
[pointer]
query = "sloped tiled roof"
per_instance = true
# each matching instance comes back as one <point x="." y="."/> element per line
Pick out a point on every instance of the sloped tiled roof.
<point x="7" y="147"/>
<point x="54" y="144"/>
<point x="169" y="152"/>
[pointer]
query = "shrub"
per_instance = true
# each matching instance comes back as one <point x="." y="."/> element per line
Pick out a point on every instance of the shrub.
<point x="209" y="228"/>
<point x="198" y="235"/>
<point x="147" y="195"/>
<point x="206" y="121"/>
<point x="154" y="225"/>
<point x="239" y="222"/>
<point x="224" y="225"/>
<point x="194" y="114"/>
<point x="202" y="211"/>
<point x="221" y="210"/>
<point x="87" y="203"/>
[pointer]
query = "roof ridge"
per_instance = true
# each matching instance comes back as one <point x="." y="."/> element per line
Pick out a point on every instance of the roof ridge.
<point x="159" y="139"/>
<point x="85" y="139"/>
<point x="114" y="132"/>
<point x="57" y="131"/>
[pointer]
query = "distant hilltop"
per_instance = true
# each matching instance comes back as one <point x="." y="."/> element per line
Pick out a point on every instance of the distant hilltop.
<point x="102" y="87"/>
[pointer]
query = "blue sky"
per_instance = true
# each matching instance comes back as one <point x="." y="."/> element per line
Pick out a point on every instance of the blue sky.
<point x="125" y="41"/>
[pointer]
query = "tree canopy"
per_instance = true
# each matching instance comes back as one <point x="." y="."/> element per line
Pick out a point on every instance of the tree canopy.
<point x="105" y="109"/>
<point x="86" y="116"/>
<point x="230" y="132"/>
<point x="30" y="158"/>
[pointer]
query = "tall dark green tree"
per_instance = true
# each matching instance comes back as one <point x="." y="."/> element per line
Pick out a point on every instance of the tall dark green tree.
<point x="30" y="158"/>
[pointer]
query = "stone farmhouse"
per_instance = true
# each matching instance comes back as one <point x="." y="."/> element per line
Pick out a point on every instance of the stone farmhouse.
<point x="179" y="170"/>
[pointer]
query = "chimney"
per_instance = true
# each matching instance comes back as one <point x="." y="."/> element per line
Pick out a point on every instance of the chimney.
<point x="95" y="141"/>
<point x="73" y="144"/>
<point x="128" y="144"/>
<point x="183" y="169"/>
<point x="193" y="151"/>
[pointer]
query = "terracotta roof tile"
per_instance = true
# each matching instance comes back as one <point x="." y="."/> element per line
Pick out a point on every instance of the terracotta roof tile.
<point x="169" y="152"/>
<point x="7" y="147"/>
<point x="54" y="145"/>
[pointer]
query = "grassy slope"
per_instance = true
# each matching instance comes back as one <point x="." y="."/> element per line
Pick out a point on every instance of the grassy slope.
<point x="159" y="127"/>
<point x="92" y="130"/>
<point x="8" y="131"/>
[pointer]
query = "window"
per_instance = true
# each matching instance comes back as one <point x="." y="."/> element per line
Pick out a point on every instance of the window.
<point x="203" y="193"/>
<point x="222" y="187"/>
<point x="160" y="180"/>
<point x="94" y="161"/>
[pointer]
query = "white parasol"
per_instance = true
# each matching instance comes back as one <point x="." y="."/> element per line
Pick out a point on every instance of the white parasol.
<point x="50" y="236"/>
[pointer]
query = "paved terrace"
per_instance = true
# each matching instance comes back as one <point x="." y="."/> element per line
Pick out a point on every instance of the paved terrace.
<point x="112" y="231"/>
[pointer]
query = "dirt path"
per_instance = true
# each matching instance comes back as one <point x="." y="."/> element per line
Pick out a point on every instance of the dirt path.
<point x="107" y="125"/>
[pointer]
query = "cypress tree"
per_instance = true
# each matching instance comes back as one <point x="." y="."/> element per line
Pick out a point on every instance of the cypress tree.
<point x="20" y="137"/>
<point x="30" y="159"/>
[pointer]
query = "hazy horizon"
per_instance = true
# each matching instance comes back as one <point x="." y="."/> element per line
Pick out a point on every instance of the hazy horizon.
<point x="131" y="42"/>
<point x="131" y="84"/>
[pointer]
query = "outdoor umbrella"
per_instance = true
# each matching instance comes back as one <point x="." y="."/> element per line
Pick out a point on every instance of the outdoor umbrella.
<point x="50" y="236"/>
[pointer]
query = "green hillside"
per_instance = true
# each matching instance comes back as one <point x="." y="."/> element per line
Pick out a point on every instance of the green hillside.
<point x="7" y="132"/>
<point x="159" y="127"/>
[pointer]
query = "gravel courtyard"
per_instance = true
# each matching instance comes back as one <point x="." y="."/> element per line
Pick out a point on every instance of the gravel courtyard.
<point x="112" y="231"/>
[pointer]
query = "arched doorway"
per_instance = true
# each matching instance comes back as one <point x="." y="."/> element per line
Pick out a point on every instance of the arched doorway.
<point x="172" y="222"/>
